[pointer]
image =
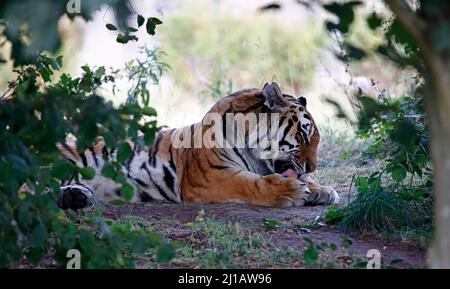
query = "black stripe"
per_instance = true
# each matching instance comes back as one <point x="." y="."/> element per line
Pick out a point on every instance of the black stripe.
<point x="303" y="134"/>
<point x="218" y="167"/>
<point x="169" y="179"/>
<point x="160" y="190"/>
<point x="224" y="129"/>
<point x="251" y="108"/>
<point x="91" y="148"/>
<point x="283" y="143"/>
<point x="83" y="159"/>
<point x="140" y="182"/>
<point x="225" y="156"/>
<point x="236" y="151"/>
<point x="155" y="149"/>
<point x="287" y="129"/>
<point x="192" y="138"/>
<point x="145" y="197"/>
<point x="128" y="162"/>
<point x="69" y="149"/>
<point x="105" y="153"/>
<point x="171" y="163"/>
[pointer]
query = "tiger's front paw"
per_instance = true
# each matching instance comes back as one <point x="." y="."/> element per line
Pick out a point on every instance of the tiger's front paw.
<point x="333" y="197"/>
<point x="286" y="192"/>
<point x="75" y="197"/>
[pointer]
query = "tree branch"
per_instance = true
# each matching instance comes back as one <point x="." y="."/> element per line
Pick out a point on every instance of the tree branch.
<point x="435" y="71"/>
<point x="413" y="24"/>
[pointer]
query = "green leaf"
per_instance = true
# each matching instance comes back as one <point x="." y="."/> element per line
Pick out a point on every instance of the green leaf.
<point x="374" y="21"/>
<point x="100" y="72"/>
<point x="111" y="27"/>
<point x="149" y="137"/>
<point x="405" y="134"/>
<point x="151" y="25"/>
<point x="86" y="240"/>
<point x="140" y="245"/>
<point x="155" y="239"/>
<point x="34" y="255"/>
<point x="345" y="14"/>
<point x="87" y="173"/>
<point x="346" y="242"/>
<point x="127" y="191"/>
<point x="69" y="237"/>
<point x="140" y="20"/>
<point x="398" y="173"/>
<point x="125" y="38"/>
<point x="63" y="170"/>
<point x="109" y="171"/>
<point x="334" y="214"/>
<point x="39" y="236"/>
<point x="354" y="52"/>
<point x="165" y="253"/>
<point x="362" y="184"/>
<point x="124" y="152"/>
<point x="150" y="111"/>
<point x="310" y="255"/>
<point x="272" y="223"/>
<point x="25" y="217"/>
<point x="421" y="159"/>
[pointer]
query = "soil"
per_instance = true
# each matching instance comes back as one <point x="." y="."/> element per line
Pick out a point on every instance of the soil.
<point x="253" y="216"/>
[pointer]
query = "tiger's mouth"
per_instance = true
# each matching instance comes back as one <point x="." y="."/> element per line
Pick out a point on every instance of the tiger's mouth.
<point x="286" y="169"/>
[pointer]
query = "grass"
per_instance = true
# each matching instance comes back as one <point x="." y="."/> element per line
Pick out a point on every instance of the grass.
<point x="339" y="158"/>
<point x="211" y="243"/>
<point x="233" y="245"/>
<point x="207" y="243"/>
<point x="212" y="48"/>
<point x="379" y="211"/>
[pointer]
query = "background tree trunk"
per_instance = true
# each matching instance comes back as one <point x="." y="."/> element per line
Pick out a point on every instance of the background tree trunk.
<point x="437" y="96"/>
<point x="439" y="253"/>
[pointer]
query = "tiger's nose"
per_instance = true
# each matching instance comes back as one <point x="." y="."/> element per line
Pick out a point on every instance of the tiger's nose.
<point x="310" y="167"/>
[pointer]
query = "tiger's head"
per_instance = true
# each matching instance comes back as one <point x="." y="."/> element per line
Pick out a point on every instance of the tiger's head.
<point x="298" y="136"/>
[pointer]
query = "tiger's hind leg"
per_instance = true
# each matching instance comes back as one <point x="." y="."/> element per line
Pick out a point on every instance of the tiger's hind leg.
<point x="81" y="195"/>
<point x="75" y="197"/>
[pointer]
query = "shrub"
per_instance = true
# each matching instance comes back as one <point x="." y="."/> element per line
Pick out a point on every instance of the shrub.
<point x="399" y="196"/>
<point x="36" y="112"/>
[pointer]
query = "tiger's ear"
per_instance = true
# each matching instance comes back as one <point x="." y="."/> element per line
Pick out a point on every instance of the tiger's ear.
<point x="272" y="94"/>
<point x="302" y="100"/>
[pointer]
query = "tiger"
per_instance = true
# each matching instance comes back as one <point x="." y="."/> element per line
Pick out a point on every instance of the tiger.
<point x="173" y="173"/>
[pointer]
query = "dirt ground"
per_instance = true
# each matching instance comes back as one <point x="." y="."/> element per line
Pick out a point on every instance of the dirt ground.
<point x="296" y="225"/>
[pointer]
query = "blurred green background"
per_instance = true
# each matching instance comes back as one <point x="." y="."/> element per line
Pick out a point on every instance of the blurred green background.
<point x="215" y="47"/>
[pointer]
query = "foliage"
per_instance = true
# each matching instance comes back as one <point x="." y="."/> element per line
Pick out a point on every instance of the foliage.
<point x="36" y="112"/>
<point x="140" y="238"/>
<point x="398" y="196"/>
